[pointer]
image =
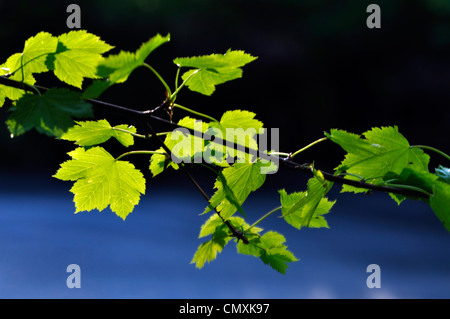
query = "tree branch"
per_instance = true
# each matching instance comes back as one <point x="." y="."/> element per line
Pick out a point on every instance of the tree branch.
<point x="147" y="115"/>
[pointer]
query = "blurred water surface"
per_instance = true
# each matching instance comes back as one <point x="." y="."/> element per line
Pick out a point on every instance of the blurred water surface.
<point x="148" y="255"/>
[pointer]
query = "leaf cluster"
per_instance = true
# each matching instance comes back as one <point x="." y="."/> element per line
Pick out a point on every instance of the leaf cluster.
<point x="381" y="158"/>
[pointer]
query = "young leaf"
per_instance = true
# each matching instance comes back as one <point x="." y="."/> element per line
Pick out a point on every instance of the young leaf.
<point x="210" y="226"/>
<point x="27" y="78"/>
<point x="240" y="119"/>
<point x="302" y="211"/>
<point x="274" y="253"/>
<point x="238" y="129"/>
<point x="214" y="69"/>
<point x="90" y="133"/>
<point x="77" y="56"/>
<point x="35" y="53"/>
<point x="50" y="113"/>
<point x="117" y="68"/>
<point x="2" y="97"/>
<point x="159" y="162"/>
<point x="215" y="221"/>
<point x="383" y="150"/>
<point x="184" y="145"/>
<point x="100" y="180"/>
<point x="208" y="251"/>
<point x="439" y="200"/>
<point x="298" y="215"/>
<point x="221" y="235"/>
<point x="148" y="47"/>
<point x="32" y="60"/>
<point x="242" y="179"/>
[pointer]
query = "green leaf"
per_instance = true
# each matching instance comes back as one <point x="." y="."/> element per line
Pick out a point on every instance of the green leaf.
<point x="382" y="150"/>
<point x="159" y="162"/>
<point x="117" y="68"/>
<point x="33" y="59"/>
<point x="208" y="251"/>
<point x="242" y="179"/>
<point x="90" y="133"/>
<point x="412" y="177"/>
<point x="50" y="113"/>
<point x="240" y="119"/>
<point x="238" y="129"/>
<point x="274" y="252"/>
<point x="214" y="69"/>
<point x="440" y="202"/>
<point x="210" y="226"/>
<point x="2" y="97"/>
<point x="297" y="217"/>
<point x="77" y="56"/>
<point x="270" y="249"/>
<point x="35" y="53"/>
<point x="10" y="65"/>
<point x="306" y="208"/>
<point x="444" y="173"/>
<point x="221" y="235"/>
<point x="184" y="145"/>
<point x="102" y="181"/>
<point x="215" y="221"/>
<point x="148" y="47"/>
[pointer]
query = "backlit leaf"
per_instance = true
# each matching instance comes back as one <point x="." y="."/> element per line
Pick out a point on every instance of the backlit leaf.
<point x="382" y="150"/>
<point x="274" y="252"/>
<point x="241" y="179"/>
<point x="118" y="67"/>
<point x="208" y="251"/>
<point x="184" y="145"/>
<point x="439" y="191"/>
<point x="77" y="56"/>
<point x="102" y="181"/>
<point x="238" y="129"/>
<point x="33" y="59"/>
<point x="214" y="69"/>
<point x="90" y="133"/>
<point x="297" y="216"/>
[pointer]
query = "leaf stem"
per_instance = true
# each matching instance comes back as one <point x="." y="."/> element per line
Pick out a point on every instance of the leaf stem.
<point x="308" y="146"/>
<point x="194" y="112"/>
<point x="139" y="152"/>
<point x="263" y="217"/>
<point x="279" y="153"/>
<point x="176" y="80"/>
<point x="178" y="88"/>
<point x="432" y="149"/>
<point x="138" y="135"/>
<point x="129" y="132"/>
<point x="409" y="187"/>
<point x="355" y="175"/>
<point x="159" y="77"/>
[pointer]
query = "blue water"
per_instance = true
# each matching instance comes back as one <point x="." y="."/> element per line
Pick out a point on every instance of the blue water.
<point x="148" y="255"/>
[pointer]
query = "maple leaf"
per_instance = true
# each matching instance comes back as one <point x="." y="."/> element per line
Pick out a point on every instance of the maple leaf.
<point x="50" y="113"/>
<point x="214" y="69"/>
<point x="90" y="133"/>
<point x="102" y="181"/>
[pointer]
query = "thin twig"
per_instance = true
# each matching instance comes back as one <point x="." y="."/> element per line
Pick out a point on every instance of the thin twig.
<point x="146" y="116"/>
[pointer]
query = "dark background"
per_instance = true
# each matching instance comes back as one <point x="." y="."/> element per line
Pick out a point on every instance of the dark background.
<point x="319" y="67"/>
